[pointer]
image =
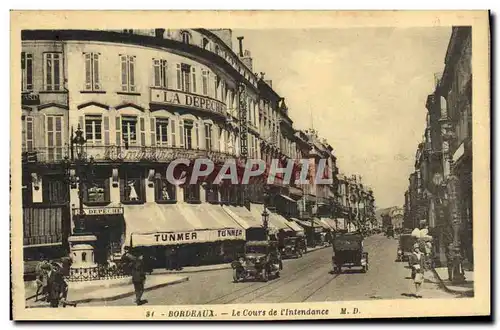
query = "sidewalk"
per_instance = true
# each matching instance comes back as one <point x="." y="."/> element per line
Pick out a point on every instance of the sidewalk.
<point x="465" y="289"/>
<point x="105" y="290"/>
<point x="207" y="268"/>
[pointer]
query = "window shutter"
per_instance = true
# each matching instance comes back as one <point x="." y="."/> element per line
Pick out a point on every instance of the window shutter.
<point x="197" y="135"/>
<point x="152" y="131"/>
<point x="193" y="72"/>
<point x="178" y="76"/>
<point x="171" y="125"/>
<point x="215" y="137"/>
<point x="156" y="73"/>
<point x="124" y="73"/>
<point x="81" y="122"/>
<point x="131" y="75"/>
<point x="118" y="128"/>
<point x="105" y="120"/>
<point x="97" y="82"/>
<point x="143" y="131"/>
<point x="181" y="133"/>
<point x="29" y="133"/>
<point x="88" y="72"/>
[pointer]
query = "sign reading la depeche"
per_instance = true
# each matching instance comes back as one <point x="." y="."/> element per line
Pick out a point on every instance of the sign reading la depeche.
<point x="100" y="211"/>
<point x="187" y="237"/>
<point x="170" y="97"/>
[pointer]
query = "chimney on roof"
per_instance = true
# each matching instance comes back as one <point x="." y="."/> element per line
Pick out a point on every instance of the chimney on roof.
<point x="240" y="41"/>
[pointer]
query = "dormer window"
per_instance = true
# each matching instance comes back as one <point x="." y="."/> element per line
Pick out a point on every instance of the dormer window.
<point x="186" y="37"/>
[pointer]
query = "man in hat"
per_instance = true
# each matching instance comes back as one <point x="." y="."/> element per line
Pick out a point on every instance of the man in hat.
<point x="138" y="278"/>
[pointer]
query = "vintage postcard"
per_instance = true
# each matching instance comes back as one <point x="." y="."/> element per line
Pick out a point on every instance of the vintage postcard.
<point x="264" y="165"/>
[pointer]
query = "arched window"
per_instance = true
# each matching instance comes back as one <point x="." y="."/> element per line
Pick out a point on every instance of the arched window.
<point x="186" y="37"/>
<point x="84" y="256"/>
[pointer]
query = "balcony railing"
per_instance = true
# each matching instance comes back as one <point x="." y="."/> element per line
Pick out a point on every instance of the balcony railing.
<point x="130" y="154"/>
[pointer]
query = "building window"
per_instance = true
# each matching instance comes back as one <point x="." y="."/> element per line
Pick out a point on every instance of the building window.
<point x="183" y="77"/>
<point x="208" y="136"/>
<point x="97" y="191"/>
<point x="188" y="134"/>
<point x="128" y="73"/>
<point x="54" y="138"/>
<point x="92" y="78"/>
<point x="54" y="189"/>
<point x="129" y="130"/>
<point x="160" y="73"/>
<point x="28" y="134"/>
<point x="26" y="71"/>
<point x="130" y="31"/>
<point x="186" y="37"/>
<point x="161" y="131"/>
<point x="164" y="191"/>
<point x="204" y="76"/>
<point x="52" y="71"/>
<point x="216" y="87"/>
<point x="132" y="186"/>
<point x="93" y="129"/>
<point x="192" y="193"/>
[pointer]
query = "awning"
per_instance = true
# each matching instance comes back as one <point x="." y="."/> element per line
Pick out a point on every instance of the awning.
<point x="295" y="226"/>
<point x="329" y="222"/>
<point x="307" y="224"/>
<point x="243" y="216"/>
<point x="276" y="221"/>
<point x="172" y="224"/>
<point x="322" y="224"/>
<point x="288" y="198"/>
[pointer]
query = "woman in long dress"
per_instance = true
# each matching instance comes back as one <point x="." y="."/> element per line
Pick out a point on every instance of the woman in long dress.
<point x="133" y="194"/>
<point x="417" y="262"/>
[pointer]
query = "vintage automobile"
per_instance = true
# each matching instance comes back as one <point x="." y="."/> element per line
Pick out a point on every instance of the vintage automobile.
<point x="389" y="231"/>
<point x="348" y="252"/>
<point x="291" y="248"/>
<point x="260" y="261"/>
<point x="405" y="247"/>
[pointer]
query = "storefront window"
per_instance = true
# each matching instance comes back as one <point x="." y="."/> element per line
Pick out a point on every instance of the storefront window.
<point x="164" y="191"/>
<point x="97" y="191"/>
<point x="54" y="189"/>
<point x="212" y="193"/>
<point x="132" y="187"/>
<point x="192" y="193"/>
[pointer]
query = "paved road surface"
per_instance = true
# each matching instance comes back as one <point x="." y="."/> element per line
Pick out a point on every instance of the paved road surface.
<point x="302" y="280"/>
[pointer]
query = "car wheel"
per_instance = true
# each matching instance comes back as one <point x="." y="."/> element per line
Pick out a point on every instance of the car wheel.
<point x="263" y="274"/>
<point x="236" y="276"/>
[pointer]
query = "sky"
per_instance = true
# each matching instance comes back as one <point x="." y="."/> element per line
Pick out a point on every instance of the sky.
<point x="363" y="89"/>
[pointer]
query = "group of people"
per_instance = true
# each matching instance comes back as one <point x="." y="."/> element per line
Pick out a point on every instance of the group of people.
<point x="50" y="282"/>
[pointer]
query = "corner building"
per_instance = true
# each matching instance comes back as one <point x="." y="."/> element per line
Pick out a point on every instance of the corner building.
<point x="142" y="98"/>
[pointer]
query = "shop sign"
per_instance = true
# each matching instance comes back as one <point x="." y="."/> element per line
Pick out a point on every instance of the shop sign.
<point x="187" y="237"/>
<point x="160" y="154"/>
<point x="30" y="99"/>
<point x="100" y="211"/>
<point x="177" y="98"/>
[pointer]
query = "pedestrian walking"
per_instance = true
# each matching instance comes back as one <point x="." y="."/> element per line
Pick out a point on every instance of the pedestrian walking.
<point x="58" y="288"/>
<point x="169" y="254"/>
<point x="138" y="278"/>
<point x="417" y="263"/>
<point x="41" y="270"/>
